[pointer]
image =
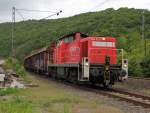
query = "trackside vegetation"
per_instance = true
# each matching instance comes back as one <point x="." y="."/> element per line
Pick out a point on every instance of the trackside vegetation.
<point x="16" y="66"/>
<point x="124" y="24"/>
<point x="8" y="91"/>
<point x="16" y="105"/>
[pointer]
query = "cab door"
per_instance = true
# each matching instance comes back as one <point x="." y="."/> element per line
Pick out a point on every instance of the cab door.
<point x="85" y="49"/>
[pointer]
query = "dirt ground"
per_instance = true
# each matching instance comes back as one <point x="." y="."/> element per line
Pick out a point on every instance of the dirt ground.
<point x="54" y="97"/>
<point x="59" y="98"/>
<point x="137" y="85"/>
<point x="49" y="96"/>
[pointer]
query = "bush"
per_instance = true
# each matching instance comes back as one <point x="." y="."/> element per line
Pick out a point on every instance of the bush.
<point x="135" y="68"/>
<point x="15" y="65"/>
<point x="145" y="64"/>
<point x="134" y="63"/>
<point x="7" y="91"/>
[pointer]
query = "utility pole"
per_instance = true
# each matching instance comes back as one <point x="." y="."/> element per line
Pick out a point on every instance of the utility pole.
<point x="143" y="33"/>
<point x="13" y="30"/>
<point x="14" y="12"/>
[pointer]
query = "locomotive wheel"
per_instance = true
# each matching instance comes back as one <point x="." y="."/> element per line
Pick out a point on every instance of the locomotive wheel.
<point x="53" y="73"/>
<point x="73" y="76"/>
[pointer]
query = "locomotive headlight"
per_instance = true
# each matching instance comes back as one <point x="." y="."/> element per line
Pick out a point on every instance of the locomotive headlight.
<point x="125" y="65"/>
<point x="86" y="63"/>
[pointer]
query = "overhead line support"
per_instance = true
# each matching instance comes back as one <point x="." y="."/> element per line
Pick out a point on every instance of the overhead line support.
<point x="13" y="30"/>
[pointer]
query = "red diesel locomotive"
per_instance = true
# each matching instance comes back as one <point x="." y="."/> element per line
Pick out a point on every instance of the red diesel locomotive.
<point x="80" y="58"/>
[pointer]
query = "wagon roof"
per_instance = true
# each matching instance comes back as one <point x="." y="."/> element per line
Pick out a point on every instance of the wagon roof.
<point x="35" y="52"/>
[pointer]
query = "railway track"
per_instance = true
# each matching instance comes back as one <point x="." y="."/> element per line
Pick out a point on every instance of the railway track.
<point x="138" y="78"/>
<point x="134" y="98"/>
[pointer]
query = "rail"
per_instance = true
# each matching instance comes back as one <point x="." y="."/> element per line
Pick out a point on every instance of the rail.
<point x="131" y="97"/>
<point x="134" y="98"/>
<point x="144" y="78"/>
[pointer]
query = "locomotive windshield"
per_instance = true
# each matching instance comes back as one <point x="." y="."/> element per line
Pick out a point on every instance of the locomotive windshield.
<point x="103" y="44"/>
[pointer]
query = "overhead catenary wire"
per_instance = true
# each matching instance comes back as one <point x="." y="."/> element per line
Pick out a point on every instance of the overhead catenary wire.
<point x="19" y="12"/>
<point x="48" y="16"/>
<point x="42" y="11"/>
<point x="20" y="15"/>
<point x="100" y="4"/>
<point x="29" y="10"/>
<point x="52" y="15"/>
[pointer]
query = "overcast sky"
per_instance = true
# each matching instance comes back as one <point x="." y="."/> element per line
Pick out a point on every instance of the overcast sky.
<point x="69" y="7"/>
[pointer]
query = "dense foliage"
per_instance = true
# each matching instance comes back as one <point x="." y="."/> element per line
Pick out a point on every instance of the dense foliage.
<point x="124" y="24"/>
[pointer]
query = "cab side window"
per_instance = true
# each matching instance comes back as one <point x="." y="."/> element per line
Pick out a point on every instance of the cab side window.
<point x="69" y="39"/>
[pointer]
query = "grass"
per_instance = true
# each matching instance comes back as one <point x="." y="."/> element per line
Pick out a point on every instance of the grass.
<point x="16" y="105"/>
<point x="8" y="91"/>
<point x="50" y="97"/>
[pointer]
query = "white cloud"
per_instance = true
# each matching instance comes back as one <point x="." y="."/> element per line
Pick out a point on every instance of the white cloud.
<point x="69" y="7"/>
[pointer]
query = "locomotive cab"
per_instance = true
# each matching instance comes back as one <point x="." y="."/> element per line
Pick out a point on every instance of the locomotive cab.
<point x="104" y="66"/>
<point x="89" y="59"/>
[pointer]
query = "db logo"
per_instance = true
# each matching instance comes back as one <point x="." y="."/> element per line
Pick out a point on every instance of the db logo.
<point x="74" y="51"/>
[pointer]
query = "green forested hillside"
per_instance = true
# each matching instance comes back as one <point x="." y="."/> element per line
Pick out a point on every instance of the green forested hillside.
<point x="124" y="24"/>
